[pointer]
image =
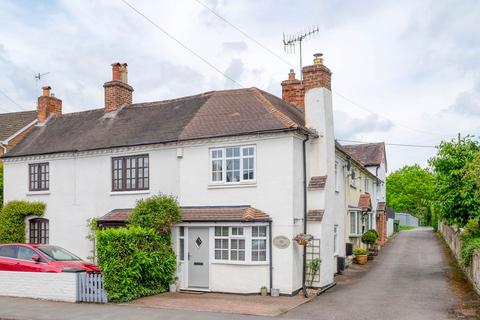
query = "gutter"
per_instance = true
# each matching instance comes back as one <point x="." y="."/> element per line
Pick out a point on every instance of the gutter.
<point x="304" y="275"/>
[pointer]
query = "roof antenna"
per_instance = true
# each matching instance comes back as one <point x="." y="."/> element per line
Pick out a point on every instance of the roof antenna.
<point x="290" y="42"/>
<point x="39" y="76"/>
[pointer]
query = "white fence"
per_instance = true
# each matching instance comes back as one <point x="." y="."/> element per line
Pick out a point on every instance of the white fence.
<point x="453" y="240"/>
<point x="63" y="286"/>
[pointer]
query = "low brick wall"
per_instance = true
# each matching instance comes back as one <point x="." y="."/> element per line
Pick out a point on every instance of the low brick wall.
<point x="39" y="285"/>
<point x="455" y="244"/>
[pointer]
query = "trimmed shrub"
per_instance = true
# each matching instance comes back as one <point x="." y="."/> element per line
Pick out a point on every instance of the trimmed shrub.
<point x="370" y="236"/>
<point x="12" y="219"/>
<point x="135" y="262"/>
<point x="360" y="252"/>
<point x="158" y="212"/>
<point x="469" y="246"/>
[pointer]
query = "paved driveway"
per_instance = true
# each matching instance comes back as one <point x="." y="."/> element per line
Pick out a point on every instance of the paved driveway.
<point x="411" y="279"/>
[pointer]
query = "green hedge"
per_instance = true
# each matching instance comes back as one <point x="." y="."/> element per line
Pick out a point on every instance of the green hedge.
<point x="12" y="219"/>
<point x="370" y="236"/>
<point x="159" y="212"/>
<point x="135" y="262"/>
<point x="469" y="246"/>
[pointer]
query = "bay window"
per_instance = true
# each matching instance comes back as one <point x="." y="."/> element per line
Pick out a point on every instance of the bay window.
<point x="240" y="244"/>
<point x="355" y="223"/>
<point x="232" y="164"/>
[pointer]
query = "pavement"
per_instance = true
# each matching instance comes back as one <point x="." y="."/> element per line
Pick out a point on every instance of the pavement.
<point x="412" y="278"/>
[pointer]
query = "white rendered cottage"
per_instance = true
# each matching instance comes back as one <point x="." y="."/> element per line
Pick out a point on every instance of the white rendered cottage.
<point x="239" y="161"/>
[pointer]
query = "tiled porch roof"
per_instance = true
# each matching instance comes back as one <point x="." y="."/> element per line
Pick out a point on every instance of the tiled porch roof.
<point x="200" y="214"/>
<point x="365" y="202"/>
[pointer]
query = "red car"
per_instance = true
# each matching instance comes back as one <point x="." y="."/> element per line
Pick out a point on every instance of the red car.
<point x="41" y="258"/>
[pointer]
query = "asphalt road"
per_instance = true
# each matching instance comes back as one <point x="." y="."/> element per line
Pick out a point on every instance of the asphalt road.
<point x="410" y="279"/>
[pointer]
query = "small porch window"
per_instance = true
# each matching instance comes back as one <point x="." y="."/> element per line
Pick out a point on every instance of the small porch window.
<point x="39" y="231"/>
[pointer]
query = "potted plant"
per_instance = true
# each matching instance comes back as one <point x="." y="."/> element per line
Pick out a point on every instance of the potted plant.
<point x="303" y="239"/>
<point x="263" y="291"/>
<point x="370" y="238"/>
<point x="361" y="255"/>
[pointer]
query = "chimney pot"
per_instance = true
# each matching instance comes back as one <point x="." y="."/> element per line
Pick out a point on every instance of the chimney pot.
<point x="318" y="59"/>
<point x="123" y="73"/>
<point x="46" y="91"/>
<point x="291" y="75"/>
<point x="116" y="71"/>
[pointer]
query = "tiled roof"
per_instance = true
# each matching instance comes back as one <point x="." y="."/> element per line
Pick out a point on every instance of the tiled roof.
<point x="197" y="214"/>
<point x="12" y="122"/>
<point x="315" y="215"/>
<point x="207" y="115"/>
<point x="317" y="182"/>
<point x="365" y="202"/>
<point x="368" y="154"/>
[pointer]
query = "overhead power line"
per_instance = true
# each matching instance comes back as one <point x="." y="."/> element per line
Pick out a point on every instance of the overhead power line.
<point x="335" y="92"/>
<point x="244" y="33"/>
<point x="390" y="144"/>
<point x="11" y="100"/>
<point x="181" y="43"/>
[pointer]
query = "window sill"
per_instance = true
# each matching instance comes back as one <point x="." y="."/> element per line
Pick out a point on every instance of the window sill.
<point x="354" y="236"/>
<point x="242" y="263"/>
<point x="233" y="185"/>
<point x="121" y="193"/>
<point x="38" y="193"/>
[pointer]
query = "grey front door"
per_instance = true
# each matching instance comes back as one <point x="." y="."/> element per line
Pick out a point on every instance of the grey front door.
<point x="198" y="264"/>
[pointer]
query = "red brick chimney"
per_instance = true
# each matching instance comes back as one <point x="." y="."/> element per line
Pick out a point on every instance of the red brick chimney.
<point x="48" y="105"/>
<point x="117" y="91"/>
<point x="293" y="92"/>
<point x="317" y="75"/>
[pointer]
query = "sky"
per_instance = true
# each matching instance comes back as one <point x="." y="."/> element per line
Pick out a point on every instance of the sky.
<point x="404" y="72"/>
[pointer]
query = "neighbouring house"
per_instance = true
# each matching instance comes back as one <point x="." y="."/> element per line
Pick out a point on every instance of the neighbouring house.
<point x="372" y="156"/>
<point x="13" y="127"/>
<point x="250" y="171"/>
<point x="406" y="219"/>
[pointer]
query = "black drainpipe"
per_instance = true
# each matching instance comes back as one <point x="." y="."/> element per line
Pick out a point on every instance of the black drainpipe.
<point x="304" y="275"/>
<point x="270" y="254"/>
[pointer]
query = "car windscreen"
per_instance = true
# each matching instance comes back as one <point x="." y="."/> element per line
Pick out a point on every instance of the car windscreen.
<point x="58" y="254"/>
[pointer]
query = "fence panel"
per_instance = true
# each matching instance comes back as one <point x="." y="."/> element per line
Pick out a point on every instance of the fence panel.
<point x="90" y="288"/>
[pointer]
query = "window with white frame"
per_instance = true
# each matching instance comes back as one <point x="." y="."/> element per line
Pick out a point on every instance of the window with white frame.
<point x="369" y="221"/>
<point x="240" y="244"/>
<point x="337" y="176"/>
<point x="355" y="223"/>
<point x="335" y="239"/>
<point x="181" y="243"/>
<point x="233" y="164"/>
<point x="366" y="186"/>
<point x="259" y="243"/>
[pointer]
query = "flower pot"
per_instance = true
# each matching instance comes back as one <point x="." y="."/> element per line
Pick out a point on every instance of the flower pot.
<point x="361" y="259"/>
<point x="172" y="287"/>
<point x="263" y="291"/>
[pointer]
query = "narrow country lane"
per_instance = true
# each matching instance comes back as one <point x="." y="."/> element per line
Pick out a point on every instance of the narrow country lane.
<point x="411" y="279"/>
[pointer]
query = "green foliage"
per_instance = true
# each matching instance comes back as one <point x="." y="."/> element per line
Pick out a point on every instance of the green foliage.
<point x="405" y="228"/>
<point x="410" y="189"/>
<point x="1" y="185"/>
<point x="12" y="217"/>
<point x="314" y="268"/>
<point x="471" y="229"/>
<point x="158" y="212"/>
<point x="370" y="237"/>
<point x="360" y="252"/>
<point x="135" y="262"/>
<point x="456" y="186"/>
<point x="469" y="246"/>
<point x="92" y="237"/>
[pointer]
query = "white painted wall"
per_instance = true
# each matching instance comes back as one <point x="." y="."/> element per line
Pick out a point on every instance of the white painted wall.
<point x="390" y="227"/>
<point x="39" y="285"/>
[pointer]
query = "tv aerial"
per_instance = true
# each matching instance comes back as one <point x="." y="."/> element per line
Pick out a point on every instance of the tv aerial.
<point x="290" y="42"/>
<point x="39" y="76"/>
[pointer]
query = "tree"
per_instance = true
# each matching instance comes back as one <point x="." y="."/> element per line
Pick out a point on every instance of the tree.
<point x="409" y="189"/>
<point x="456" y="187"/>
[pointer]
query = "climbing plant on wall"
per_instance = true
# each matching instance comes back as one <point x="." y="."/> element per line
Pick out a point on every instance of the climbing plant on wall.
<point x="12" y="219"/>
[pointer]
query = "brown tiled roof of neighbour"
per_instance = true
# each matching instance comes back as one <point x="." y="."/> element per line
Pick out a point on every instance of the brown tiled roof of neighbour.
<point x="198" y="214"/>
<point x="368" y="154"/>
<point x="315" y="215"/>
<point x="317" y="182"/>
<point x="12" y="122"/>
<point x="381" y="206"/>
<point x="365" y="201"/>
<point x="207" y="115"/>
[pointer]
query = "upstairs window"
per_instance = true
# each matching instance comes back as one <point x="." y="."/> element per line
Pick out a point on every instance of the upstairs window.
<point x="232" y="164"/>
<point x="130" y="173"/>
<point x="39" y="176"/>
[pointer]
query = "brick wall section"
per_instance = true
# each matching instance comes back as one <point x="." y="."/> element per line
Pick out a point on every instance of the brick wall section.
<point x="117" y="94"/>
<point x="48" y="105"/>
<point x="19" y="137"/>
<point x="382" y="227"/>
<point x="317" y="76"/>
<point x="39" y="285"/>
<point x="293" y="92"/>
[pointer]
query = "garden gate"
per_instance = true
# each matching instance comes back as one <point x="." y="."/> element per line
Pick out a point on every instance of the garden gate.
<point x="90" y="288"/>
